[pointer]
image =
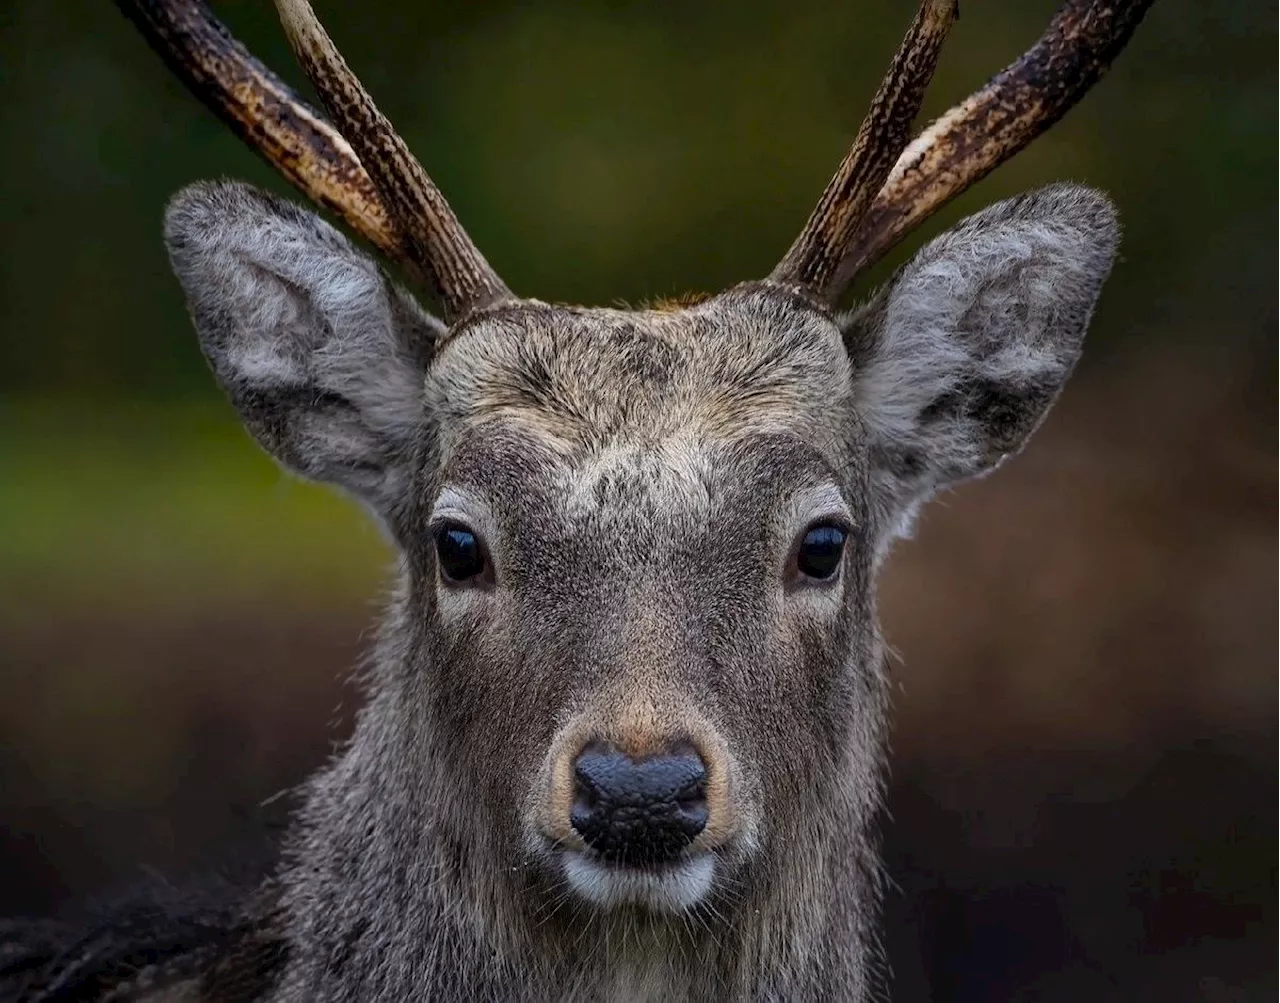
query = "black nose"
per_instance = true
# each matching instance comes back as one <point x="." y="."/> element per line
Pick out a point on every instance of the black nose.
<point x="641" y="811"/>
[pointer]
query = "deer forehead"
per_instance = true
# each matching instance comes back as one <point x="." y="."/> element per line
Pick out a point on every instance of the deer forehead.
<point x="653" y="391"/>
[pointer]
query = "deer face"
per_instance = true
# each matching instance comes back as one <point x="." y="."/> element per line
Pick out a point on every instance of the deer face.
<point x="648" y="577"/>
<point x="641" y="653"/>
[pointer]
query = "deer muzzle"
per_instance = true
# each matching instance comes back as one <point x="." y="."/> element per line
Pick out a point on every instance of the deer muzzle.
<point x="633" y="814"/>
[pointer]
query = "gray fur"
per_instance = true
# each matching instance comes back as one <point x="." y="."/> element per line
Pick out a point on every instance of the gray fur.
<point x="640" y="479"/>
<point x="319" y="351"/>
<point x="959" y="357"/>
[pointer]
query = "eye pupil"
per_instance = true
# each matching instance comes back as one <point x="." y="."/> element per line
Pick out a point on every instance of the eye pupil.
<point x="820" y="551"/>
<point x="459" y="553"/>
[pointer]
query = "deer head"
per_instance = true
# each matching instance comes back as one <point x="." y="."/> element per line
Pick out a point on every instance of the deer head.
<point x="633" y="662"/>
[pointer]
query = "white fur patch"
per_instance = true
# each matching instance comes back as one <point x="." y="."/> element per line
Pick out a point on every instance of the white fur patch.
<point x="676" y="468"/>
<point x="672" y="889"/>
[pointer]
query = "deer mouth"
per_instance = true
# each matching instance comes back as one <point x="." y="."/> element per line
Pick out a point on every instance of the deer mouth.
<point x="670" y="886"/>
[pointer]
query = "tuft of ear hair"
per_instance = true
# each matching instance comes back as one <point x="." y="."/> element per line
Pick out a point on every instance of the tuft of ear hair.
<point x="322" y="355"/>
<point x="958" y="358"/>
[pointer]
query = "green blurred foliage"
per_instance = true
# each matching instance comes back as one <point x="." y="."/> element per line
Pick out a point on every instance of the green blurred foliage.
<point x="597" y="153"/>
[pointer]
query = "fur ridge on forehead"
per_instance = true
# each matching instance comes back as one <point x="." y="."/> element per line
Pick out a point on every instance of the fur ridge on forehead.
<point x="749" y="361"/>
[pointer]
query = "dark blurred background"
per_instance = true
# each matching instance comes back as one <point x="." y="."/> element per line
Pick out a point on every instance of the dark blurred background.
<point x="1084" y="770"/>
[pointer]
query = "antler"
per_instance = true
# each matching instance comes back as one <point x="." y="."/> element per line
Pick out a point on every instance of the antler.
<point x="817" y="253"/>
<point x="365" y="172"/>
<point x="462" y="276"/>
<point x="965" y="144"/>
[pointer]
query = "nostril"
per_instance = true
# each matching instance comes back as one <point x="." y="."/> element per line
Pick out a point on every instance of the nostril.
<point x="639" y="810"/>
<point x="587" y="798"/>
<point x="691" y="796"/>
<point x="693" y="803"/>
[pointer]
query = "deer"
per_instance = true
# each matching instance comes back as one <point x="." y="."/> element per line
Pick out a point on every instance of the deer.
<point x="624" y="727"/>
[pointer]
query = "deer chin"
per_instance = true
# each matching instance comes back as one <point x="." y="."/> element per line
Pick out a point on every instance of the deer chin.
<point x="671" y="888"/>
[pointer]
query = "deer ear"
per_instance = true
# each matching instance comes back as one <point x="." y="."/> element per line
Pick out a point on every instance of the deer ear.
<point x="321" y="354"/>
<point x="958" y="359"/>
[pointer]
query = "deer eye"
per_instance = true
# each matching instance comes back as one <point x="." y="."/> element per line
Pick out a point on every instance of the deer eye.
<point x="459" y="552"/>
<point x="820" y="551"/>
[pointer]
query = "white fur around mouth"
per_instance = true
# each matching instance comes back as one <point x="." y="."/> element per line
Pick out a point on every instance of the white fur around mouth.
<point x="670" y="888"/>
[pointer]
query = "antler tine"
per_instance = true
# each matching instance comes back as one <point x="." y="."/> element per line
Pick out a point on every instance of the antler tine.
<point x="817" y="253"/>
<point x="459" y="272"/>
<point x="264" y="112"/>
<point x="976" y="136"/>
